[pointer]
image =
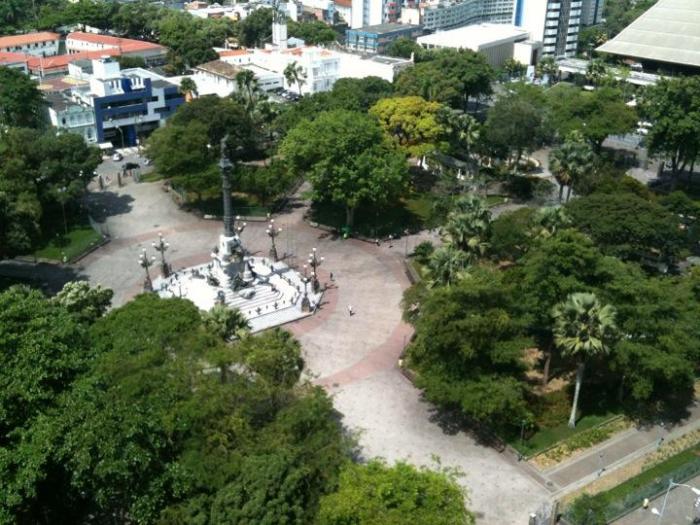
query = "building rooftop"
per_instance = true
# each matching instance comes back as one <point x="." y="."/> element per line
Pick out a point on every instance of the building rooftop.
<point x="220" y="68"/>
<point x="60" y="62"/>
<point x="12" y="58"/>
<point x="29" y="38"/>
<point x="343" y="3"/>
<point x="389" y="27"/>
<point x="476" y="36"/>
<point x="668" y="32"/>
<point x="125" y="44"/>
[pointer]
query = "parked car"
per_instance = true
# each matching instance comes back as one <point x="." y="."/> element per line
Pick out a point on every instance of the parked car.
<point x="131" y="166"/>
<point x="117" y="157"/>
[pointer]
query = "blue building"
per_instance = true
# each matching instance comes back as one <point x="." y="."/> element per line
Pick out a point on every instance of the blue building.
<point x="375" y="39"/>
<point x="127" y="104"/>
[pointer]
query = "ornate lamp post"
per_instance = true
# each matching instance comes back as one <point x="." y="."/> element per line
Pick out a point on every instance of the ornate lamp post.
<point x="146" y="262"/>
<point x="273" y="232"/>
<point x="162" y="246"/>
<point x="305" y="303"/>
<point x="314" y="263"/>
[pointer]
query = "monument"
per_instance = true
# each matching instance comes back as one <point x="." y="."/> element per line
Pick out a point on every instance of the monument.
<point x="266" y="291"/>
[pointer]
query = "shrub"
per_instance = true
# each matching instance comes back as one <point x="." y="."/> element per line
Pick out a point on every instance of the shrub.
<point x="423" y="251"/>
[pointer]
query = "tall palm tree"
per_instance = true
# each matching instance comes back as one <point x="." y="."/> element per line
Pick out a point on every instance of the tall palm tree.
<point x="188" y="88"/>
<point x="447" y="265"/>
<point x="468" y="225"/>
<point x="461" y="129"/>
<point x="247" y="89"/>
<point x="227" y="323"/>
<point x="294" y="74"/>
<point x="596" y="71"/>
<point x="583" y="328"/>
<point x="570" y="162"/>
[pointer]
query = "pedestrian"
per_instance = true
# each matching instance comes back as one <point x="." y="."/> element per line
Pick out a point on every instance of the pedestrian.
<point x="391" y="241"/>
<point x="377" y="242"/>
<point x="350" y="311"/>
<point x="332" y="278"/>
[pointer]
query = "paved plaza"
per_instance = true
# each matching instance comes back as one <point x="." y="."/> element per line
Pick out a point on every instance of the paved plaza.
<point x="354" y="357"/>
<point x="680" y="509"/>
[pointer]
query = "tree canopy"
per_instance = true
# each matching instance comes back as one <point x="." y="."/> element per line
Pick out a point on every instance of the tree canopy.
<point x="21" y="102"/>
<point x="347" y="159"/>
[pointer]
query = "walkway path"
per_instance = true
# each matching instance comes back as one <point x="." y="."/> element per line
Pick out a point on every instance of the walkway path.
<point x="353" y="357"/>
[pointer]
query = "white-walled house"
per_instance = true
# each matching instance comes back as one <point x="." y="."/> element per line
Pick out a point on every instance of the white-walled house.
<point x="44" y="44"/>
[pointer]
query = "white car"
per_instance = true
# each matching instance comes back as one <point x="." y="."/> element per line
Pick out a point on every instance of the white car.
<point x="117" y="157"/>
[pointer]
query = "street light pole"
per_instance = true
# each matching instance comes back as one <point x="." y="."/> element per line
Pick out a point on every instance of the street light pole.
<point x="273" y="232"/>
<point x="146" y="262"/>
<point x="162" y="246"/>
<point x="314" y="263"/>
<point x="62" y="200"/>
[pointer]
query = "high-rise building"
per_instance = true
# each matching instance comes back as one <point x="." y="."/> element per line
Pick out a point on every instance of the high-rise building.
<point x="449" y="14"/>
<point x="555" y="23"/>
<point x="592" y="12"/>
<point x="374" y="12"/>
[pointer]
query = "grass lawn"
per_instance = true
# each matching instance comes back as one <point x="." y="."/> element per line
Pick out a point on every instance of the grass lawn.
<point x="153" y="176"/>
<point x="495" y="200"/>
<point x="79" y="239"/>
<point x="547" y="437"/>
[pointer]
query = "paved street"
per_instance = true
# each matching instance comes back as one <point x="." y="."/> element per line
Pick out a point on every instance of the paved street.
<point x="355" y="358"/>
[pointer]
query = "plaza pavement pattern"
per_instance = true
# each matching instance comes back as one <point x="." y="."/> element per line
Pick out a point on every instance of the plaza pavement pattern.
<point x="353" y="357"/>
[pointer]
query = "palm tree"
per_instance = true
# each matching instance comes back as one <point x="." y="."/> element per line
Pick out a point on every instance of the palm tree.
<point x="549" y="221"/>
<point x="547" y="66"/>
<point x="188" y="87"/>
<point x="247" y="89"/>
<point x="447" y="265"/>
<point x="583" y="328"/>
<point x="227" y="323"/>
<point x="468" y="225"/>
<point x="596" y="71"/>
<point x="461" y="129"/>
<point x="570" y="162"/>
<point x="294" y="74"/>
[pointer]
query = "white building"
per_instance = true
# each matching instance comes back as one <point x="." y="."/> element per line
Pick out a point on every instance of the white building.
<point x="357" y="66"/>
<point x="69" y="116"/>
<point x="555" y="23"/>
<point x="321" y="67"/>
<point x="374" y="12"/>
<point x="495" y="41"/>
<point x="344" y="10"/>
<point x="42" y="44"/>
<point x="81" y="42"/>
<point x="219" y="78"/>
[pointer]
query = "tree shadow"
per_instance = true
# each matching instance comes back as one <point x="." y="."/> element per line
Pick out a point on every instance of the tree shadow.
<point x="50" y="278"/>
<point x="452" y="421"/>
<point x="106" y="204"/>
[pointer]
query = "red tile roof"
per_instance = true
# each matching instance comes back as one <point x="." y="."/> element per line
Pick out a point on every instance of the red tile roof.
<point x="344" y="3"/>
<point x="29" y="38"/>
<point x="60" y="63"/>
<point x="13" y="58"/>
<point x="126" y="44"/>
<point x="233" y="52"/>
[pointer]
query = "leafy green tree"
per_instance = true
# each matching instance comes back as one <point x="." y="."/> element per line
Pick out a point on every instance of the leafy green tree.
<point x="550" y="220"/>
<point x="313" y="33"/>
<point x="21" y="102"/>
<point x="450" y="77"/>
<point x="570" y="162"/>
<point x="226" y="323"/>
<point x="411" y="121"/>
<point x="360" y="94"/>
<point x="344" y="155"/>
<point x="295" y="74"/>
<point x="404" y="47"/>
<point x="672" y="108"/>
<point x="468" y="350"/>
<point x="595" y="114"/>
<point x="583" y="329"/>
<point x="88" y="303"/>
<point x="255" y="29"/>
<point x="428" y="497"/>
<point x="511" y="234"/>
<point x="596" y="70"/>
<point x="515" y="123"/>
<point x="514" y="69"/>
<point x="268" y="182"/>
<point x="628" y="226"/>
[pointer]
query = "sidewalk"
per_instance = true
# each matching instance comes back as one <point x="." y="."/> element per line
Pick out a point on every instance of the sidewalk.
<point x="616" y="452"/>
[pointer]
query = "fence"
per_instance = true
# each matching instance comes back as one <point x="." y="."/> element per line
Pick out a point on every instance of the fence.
<point x="617" y="508"/>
